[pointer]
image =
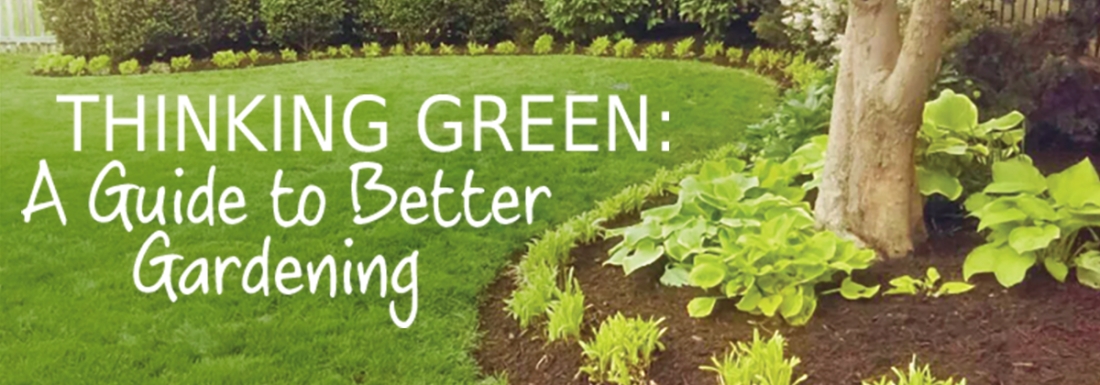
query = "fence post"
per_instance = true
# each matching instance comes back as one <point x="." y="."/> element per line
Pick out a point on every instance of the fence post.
<point x="10" y="17"/>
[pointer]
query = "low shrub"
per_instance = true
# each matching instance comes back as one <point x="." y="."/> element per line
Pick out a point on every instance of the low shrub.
<point x="599" y="46"/>
<point x="346" y="51"/>
<point x="735" y="55"/>
<point x="622" y="350"/>
<point x="475" y="49"/>
<point x="253" y="57"/>
<point x="654" y="51"/>
<point x="288" y="55"/>
<point x="332" y="52"/>
<point x="582" y="19"/>
<point x="181" y="63"/>
<point x="914" y="376"/>
<point x="570" y="48"/>
<point x="712" y="50"/>
<point x="422" y="48"/>
<point x="544" y="45"/>
<point x="759" y="362"/>
<point x="100" y="65"/>
<point x="506" y="47"/>
<point x="624" y="48"/>
<point x="129" y="67"/>
<point x="77" y="66"/>
<point x="159" y="67"/>
<point x="302" y="24"/>
<point x="446" y="49"/>
<point x="683" y="48"/>
<point x="374" y="49"/>
<point x="226" y="59"/>
<point x="397" y="50"/>
<point x="715" y="16"/>
<point x="803" y="114"/>
<point x="318" y="55"/>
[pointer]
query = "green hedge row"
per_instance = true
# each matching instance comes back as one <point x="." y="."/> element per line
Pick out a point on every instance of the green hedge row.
<point x="157" y="28"/>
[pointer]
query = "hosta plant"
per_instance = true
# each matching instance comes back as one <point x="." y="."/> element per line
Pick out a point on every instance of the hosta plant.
<point x="332" y="52"/>
<point x="506" y="47"/>
<point x="914" y="376"/>
<point x="422" y="48"/>
<point x="955" y="152"/>
<point x="397" y="50"/>
<point x="624" y="48"/>
<point x="570" y="48"/>
<point x="760" y="362"/>
<point x="345" y="51"/>
<point x="599" y="46"/>
<point x="544" y="45"/>
<point x="288" y="55"/>
<point x="743" y="234"/>
<point x="654" y="51"/>
<point x="226" y="59"/>
<point x="803" y="114"/>
<point x="446" y="49"/>
<point x="683" y="48"/>
<point x="712" y="50"/>
<point x="374" y="49"/>
<point x="77" y="66"/>
<point x="621" y="350"/>
<point x="181" y="63"/>
<point x="159" y="67"/>
<point x="930" y="285"/>
<point x="254" y="57"/>
<point x="129" y="67"/>
<point x="475" y="49"/>
<point x="1030" y="219"/>
<point x="100" y="65"/>
<point x="734" y="55"/>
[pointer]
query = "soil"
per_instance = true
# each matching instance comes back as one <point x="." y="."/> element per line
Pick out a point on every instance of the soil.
<point x="1039" y="332"/>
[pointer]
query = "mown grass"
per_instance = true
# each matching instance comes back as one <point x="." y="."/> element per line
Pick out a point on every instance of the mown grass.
<point x="69" y="311"/>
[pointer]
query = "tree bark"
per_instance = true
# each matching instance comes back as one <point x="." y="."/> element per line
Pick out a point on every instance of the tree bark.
<point x="868" y="191"/>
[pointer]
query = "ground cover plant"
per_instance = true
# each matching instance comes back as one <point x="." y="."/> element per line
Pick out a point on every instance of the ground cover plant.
<point x="250" y="339"/>
<point x="759" y="362"/>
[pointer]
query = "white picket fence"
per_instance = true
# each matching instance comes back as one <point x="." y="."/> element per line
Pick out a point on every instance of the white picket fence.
<point x="21" y="27"/>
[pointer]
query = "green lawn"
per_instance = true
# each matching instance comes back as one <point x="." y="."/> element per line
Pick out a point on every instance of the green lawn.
<point x="69" y="310"/>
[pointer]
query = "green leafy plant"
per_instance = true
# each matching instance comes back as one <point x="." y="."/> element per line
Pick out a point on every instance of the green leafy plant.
<point x="446" y="49"/>
<point x="713" y="15"/>
<point x="804" y="113"/>
<point x="506" y="47"/>
<point x="683" y="48"/>
<point x="712" y="50"/>
<point x="59" y="64"/>
<point x="159" y="67"/>
<point x="288" y="55"/>
<point x="566" y="313"/>
<point x="955" y="152"/>
<point x="760" y="362"/>
<point x="374" y="49"/>
<point x="345" y="51"/>
<point x="599" y="46"/>
<point x="1026" y="215"/>
<point x="78" y="66"/>
<point x="397" y="50"/>
<point x="584" y="19"/>
<point x="929" y="285"/>
<point x="332" y="52"/>
<point x="654" y="51"/>
<point x="422" y="48"/>
<point x="129" y="67"/>
<point x="746" y="234"/>
<point x="624" y="48"/>
<point x="534" y="293"/>
<point x="802" y="72"/>
<point x="42" y="63"/>
<point x="914" y="376"/>
<point x="100" y="65"/>
<point x="318" y="55"/>
<point x="475" y="49"/>
<point x="570" y="48"/>
<point x="622" y="350"/>
<point x="302" y="24"/>
<point x="253" y="57"/>
<point x="544" y="44"/>
<point x="734" y="55"/>
<point x="226" y="59"/>
<point x="181" y="63"/>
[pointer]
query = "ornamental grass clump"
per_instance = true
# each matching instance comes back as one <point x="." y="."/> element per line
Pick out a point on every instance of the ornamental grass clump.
<point x="760" y="362"/>
<point x="622" y="350"/>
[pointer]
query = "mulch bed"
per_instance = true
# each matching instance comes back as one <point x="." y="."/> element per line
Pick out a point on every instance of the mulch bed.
<point x="1039" y="332"/>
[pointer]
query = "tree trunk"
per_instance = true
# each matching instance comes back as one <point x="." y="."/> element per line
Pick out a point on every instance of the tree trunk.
<point x="868" y="192"/>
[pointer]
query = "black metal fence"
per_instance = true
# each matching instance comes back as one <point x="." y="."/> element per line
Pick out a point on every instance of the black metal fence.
<point x="1010" y="12"/>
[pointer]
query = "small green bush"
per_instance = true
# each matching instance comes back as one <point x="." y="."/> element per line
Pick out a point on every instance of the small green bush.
<point x="77" y="66"/>
<point x="446" y="49"/>
<point x="226" y="59"/>
<point x="534" y="292"/>
<point x="100" y="65"/>
<point x="397" y="50"/>
<point x="159" y="67"/>
<point x="372" y="50"/>
<point x="302" y="24"/>
<point x="506" y="47"/>
<point x="43" y="62"/>
<point x="712" y="50"/>
<point x="181" y="63"/>
<point x="60" y="64"/>
<point x="624" y="48"/>
<point x="346" y="51"/>
<point x="654" y="51"/>
<point x="475" y="49"/>
<point x="683" y="48"/>
<point x="760" y="362"/>
<point x="914" y="376"/>
<point x="332" y="52"/>
<point x="621" y="350"/>
<point x="422" y="48"/>
<point x="570" y="48"/>
<point x="253" y="57"/>
<point x="129" y="67"/>
<point x="288" y="55"/>
<point x="544" y="45"/>
<point x="599" y="46"/>
<point x="734" y="55"/>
